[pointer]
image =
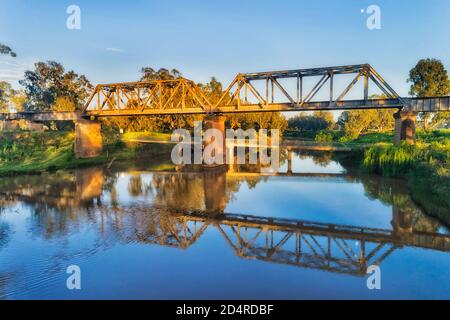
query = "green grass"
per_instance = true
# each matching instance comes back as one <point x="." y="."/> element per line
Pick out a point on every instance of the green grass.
<point x="371" y="138"/>
<point x="391" y="160"/>
<point x="441" y="136"/>
<point x="425" y="166"/>
<point x="38" y="152"/>
<point x="436" y="136"/>
<point x="35" y="152"/>
<point x="155" y="136"/>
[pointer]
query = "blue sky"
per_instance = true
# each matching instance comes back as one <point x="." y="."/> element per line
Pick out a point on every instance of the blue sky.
<point x="222" y="38"/>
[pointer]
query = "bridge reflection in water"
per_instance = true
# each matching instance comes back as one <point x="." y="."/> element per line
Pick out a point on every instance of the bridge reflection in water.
<point x="166" y="222"/>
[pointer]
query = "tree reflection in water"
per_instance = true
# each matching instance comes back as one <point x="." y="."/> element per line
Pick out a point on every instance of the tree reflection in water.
<point x="178" y="205"/>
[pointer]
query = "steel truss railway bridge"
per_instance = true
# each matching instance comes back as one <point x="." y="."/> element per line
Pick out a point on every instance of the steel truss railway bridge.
<point x="254" y="92"/>
<point x="288" y="90"/>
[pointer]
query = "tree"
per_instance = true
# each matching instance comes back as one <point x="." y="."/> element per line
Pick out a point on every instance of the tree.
<point x="18" y="100"/>
<point x="213" y="90"/>
<point x="49" y="87"/>
<point x="440" y="119"/>
<point x="5" y="93"/>
<point x="149" y="74"/>
<point x="257" y="121"/>
<point x="429" y="79"/>
<point x="5" y="88"/>
<point x="356" y="122"/>
<point x="11" y="98"/>
<point x="4" y="49"/>
<point x="327" y="116"/>
<point x="313" y="123"/>
<point x="384" y="118"/>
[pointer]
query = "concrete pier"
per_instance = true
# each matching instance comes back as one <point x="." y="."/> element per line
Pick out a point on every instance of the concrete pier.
<point x="405" y="127"/>
<point x="215" y="183"/>
<point x="88" y="139"/>
<point x="402" y="224"/>
<point x="289" y="171"/>
<point x="215" y="122"/>
<point x="89" y="184"/>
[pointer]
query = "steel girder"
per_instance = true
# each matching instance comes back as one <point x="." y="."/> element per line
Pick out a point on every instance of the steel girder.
<point x="254" y="92"/>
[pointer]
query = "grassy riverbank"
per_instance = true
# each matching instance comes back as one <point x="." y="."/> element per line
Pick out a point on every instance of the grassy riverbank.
<point x="425" y="166"/>
<point x="150" y="136"/>
<point x="369" y="139"/>
<point x="35" y="152"/>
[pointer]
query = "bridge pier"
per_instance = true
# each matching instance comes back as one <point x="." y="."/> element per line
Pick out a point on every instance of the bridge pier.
<point x="215" y="142"/>
<point x="88" y="138"/>
<point x="89" y="184"/>
<point x="289" y="171"/>
<point x="215" y="183"/>
<point x="405" y="127"/>
<point x="402" y="223"/>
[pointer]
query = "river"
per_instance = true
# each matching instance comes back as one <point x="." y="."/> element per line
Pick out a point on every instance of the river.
<point x="151" y="230"/>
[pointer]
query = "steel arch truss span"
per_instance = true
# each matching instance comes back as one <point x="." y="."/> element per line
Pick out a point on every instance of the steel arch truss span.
<point x="285" y="90"/>
<point x="290" y="90"/>
<point x="147" y="98"/>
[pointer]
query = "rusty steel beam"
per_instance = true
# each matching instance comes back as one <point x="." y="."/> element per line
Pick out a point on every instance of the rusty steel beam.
<point x="245" y="108"/>
<point x="430" y="104"/>
<point x="182" y="96"/>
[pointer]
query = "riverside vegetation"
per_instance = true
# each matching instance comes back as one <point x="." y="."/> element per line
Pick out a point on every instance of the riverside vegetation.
<point x="425" y="166"/>
<point x="24" y="152"/>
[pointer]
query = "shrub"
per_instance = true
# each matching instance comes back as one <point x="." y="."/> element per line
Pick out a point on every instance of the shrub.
<point x="324" y="136"/>
<point x="392" y="160"/>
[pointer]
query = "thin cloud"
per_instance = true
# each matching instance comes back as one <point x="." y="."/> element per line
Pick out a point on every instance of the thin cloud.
<point x="13" y="69"/>
<point x="112" y="49"/>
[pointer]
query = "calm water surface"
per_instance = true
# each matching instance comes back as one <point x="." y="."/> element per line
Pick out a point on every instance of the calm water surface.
<point x="153" y="231"/>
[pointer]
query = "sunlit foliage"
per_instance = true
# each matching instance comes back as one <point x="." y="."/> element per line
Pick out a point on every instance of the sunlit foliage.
<point x="49" y="85"/>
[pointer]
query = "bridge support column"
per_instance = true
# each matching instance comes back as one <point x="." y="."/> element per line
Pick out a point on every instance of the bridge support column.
<point x="402" y="223"/>
<point x="216" y="122"/>
<point x="215" y="183"/>
<point x="88" y="139"/>
<point x="89" y="183"/>
<point x="405" y="127"/>
<point x="289" y="171"/>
